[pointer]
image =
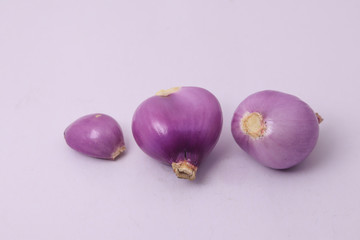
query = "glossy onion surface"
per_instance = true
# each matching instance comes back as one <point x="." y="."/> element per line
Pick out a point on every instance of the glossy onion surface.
<point x="179" y="126"/>
<point x="277" y="129"/>
<point x="96" y="135"/>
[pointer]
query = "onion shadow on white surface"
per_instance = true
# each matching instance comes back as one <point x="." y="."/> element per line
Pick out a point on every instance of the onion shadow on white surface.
<point x="214" y="159"/>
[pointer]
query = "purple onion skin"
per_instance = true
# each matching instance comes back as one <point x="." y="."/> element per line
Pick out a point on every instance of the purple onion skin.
<point x="96" y="135"/>
<point x="183" y="126"/>
<point x="290" y="132"/>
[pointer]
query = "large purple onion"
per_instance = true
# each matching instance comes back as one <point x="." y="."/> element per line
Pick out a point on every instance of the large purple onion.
<point x="96" y="135"/>
<point x="277" y="129"/>
<point x="179" y="126"/>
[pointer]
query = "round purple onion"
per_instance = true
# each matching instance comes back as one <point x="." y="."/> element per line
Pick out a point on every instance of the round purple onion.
<point x="96" y="135"/>
<point x="178" y="126"/>
<point x="277" y="129"/>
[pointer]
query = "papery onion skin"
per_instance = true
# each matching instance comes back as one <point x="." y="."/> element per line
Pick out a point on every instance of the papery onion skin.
<point x="288" y="130"/>
<point x="179" y="127"/>
<point x="97" y="135"/>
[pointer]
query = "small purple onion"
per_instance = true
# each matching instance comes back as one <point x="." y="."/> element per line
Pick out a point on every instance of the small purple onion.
<point x="179" y="127"/>
<point x="96" y="135"/>
<point x="277" y="129"/>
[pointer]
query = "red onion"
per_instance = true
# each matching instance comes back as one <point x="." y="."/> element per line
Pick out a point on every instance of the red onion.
<point x="178" y="126"/>
<point x="277" y="129"/>
<point x="96" y="135"/>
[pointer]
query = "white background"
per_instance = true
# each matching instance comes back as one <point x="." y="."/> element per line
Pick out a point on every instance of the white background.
<point x="60" y="60"/>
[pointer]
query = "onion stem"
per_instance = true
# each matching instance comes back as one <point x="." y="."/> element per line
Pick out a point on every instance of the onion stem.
<point x="184" y="169"/>
<point x="167" y="92"/>
<point x="319" y="118"/>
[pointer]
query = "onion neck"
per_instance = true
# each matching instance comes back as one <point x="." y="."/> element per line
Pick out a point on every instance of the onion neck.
<point x="253" y="124"/>
<point x="184" y="169"/>
<point x="167" y="92"/>
<point x="117" y="152"/>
